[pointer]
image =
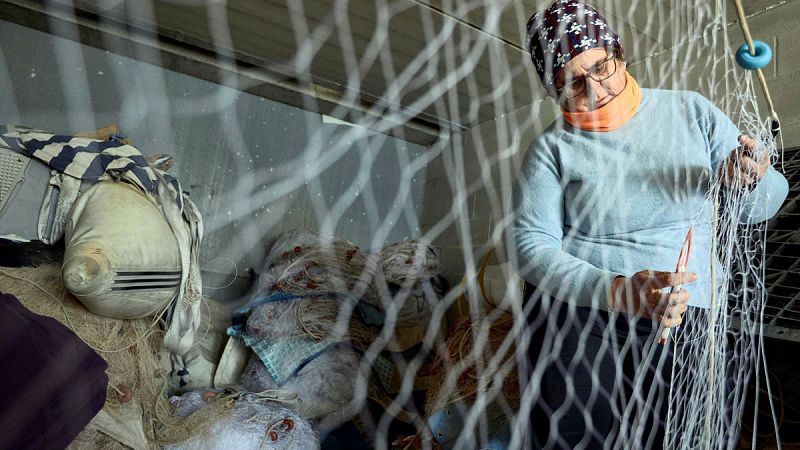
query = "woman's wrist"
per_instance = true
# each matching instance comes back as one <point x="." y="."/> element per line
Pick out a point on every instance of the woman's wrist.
<point x="616" y="285"/>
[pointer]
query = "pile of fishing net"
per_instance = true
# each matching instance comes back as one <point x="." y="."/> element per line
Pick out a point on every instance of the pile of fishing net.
<point x="302" y="262"/>
<point x="253" y="423"/>
<point x="409" y="262"/>
<point x="295" y="354"/>
<point x="137" y="413"/>
<point x="323" y="315"/>
<point x="333" y="281"/>
<point x="415" y="289"/>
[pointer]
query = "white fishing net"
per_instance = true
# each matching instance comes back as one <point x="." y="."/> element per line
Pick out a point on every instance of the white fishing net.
<point x="413" y="119"/>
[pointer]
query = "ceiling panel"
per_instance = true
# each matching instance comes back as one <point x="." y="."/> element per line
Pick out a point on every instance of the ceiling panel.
<point x="416" y="43"/>
<point x="439" y="57"/>
<point x="637" y="21"/>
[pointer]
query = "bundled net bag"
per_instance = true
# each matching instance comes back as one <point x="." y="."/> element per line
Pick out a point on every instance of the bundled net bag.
<point x="323" y="386"/>
<point x="301" y="261"/>
<point x="409" y="262"/>
<point x="411" y="271"/>
<point x="137" y="413"/>
<point x="296" y="339"/>
<point x="253" y="423"/>
<point x="340" y="268"/>
<point x="319" y="338"/>
<point x="302" y="325"/>
<point x="283" y="251"/>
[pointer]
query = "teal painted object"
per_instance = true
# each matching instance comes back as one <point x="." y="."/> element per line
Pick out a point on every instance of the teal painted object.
<point x="752" y="62"/>
<point x="447" y="424"/>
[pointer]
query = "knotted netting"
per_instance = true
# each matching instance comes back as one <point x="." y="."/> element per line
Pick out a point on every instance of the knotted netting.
<point x="401" y="152"/>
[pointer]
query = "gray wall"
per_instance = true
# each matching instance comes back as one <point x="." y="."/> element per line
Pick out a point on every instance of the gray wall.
<point x="467" y="202"/>
<point x="780" y="27"/>
<point x="253" y="166"/>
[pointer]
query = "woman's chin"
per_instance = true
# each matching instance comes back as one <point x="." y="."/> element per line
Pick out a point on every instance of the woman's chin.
<point x="587" y="107"/>
<point x="603" y="102"/>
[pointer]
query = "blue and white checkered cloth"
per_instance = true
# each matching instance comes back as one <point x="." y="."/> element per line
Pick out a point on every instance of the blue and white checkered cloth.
<point x="87" y="158"/>
<point x="284" y="357"/>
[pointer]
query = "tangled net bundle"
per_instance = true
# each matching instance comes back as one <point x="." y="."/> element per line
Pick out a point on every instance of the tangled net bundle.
<point x="129" y="347"/>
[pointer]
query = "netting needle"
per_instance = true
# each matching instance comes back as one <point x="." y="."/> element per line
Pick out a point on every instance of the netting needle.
<point x="683" y="261"/>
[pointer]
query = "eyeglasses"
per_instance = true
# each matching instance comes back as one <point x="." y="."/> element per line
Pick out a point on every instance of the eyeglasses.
<point x="602" y="71"/>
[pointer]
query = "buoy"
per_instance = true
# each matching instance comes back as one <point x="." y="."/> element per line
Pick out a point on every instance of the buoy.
<point x="775" y="126"/>
<point x="762" y="56"/>
<point x="125" y="394"/>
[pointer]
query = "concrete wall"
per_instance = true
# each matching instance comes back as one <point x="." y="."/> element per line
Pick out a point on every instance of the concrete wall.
<point x="467" y="200"/>
<point x="254" y="167"/>
<point x="780" y="27"/>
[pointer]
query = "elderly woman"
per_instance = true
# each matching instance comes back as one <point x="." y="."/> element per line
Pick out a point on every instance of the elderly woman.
<point x="604" y="201"/>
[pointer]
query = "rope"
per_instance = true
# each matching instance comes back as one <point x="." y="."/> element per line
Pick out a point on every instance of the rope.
<point x="668" y="426"/>
<point x="751" y="47"/>
<point x="745" y="27"/>
<point x="711" y="332"/>
<point x="150" y="329"/>
<point x="235" y="273"/>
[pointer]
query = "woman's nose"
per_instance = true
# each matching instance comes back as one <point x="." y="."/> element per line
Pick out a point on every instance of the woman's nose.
<point x="594" y="89"/>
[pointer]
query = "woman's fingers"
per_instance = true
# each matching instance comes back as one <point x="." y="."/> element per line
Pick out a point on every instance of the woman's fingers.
<point x="752" y="170"/>
<point x="677" y="298"/>
<point x="748" y="171"/>
<point x="745" y="165"/>
<point x="660" y="280"/>
<point x="749" y="165"/>
<point x="644" y="293"/>
<point x="677" y="310"/>
<point x="668" y="321"/>
<point x="673" y="315"/>
<point x="747" y="142"/>
<point x="665" y="301"/>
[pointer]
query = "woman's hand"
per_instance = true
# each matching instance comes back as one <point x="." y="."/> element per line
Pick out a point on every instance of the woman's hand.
<point x="642" y="294"/>
<point x="745" y="165"/>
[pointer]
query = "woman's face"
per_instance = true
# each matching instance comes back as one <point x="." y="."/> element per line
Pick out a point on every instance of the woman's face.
<point x="596" y="93"/>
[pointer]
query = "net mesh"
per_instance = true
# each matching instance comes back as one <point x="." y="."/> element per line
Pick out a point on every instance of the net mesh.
<point x="472" y="366"/>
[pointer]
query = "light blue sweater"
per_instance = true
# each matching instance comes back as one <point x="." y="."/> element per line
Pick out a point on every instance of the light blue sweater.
<point x="594" y="205"/>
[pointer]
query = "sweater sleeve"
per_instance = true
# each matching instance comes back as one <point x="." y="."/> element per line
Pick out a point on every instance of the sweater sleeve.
<point x="538" y="230"/>
<point x="765" y="199"/>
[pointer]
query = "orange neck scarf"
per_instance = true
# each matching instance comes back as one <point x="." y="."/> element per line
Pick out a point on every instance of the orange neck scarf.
<point x="611" y="116"/>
